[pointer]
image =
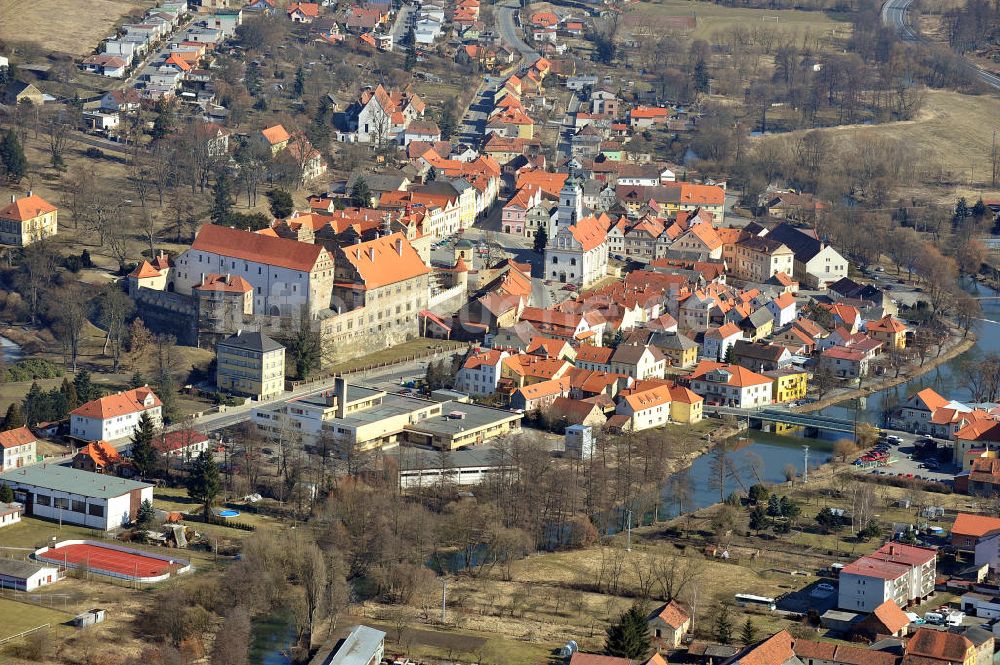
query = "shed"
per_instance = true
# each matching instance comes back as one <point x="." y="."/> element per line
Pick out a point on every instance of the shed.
<point x="26" y="575"/>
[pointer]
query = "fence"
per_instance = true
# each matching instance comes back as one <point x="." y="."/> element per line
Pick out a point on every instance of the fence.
<point x="25" y="633"/>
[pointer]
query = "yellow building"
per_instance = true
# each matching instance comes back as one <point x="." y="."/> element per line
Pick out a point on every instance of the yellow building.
<point x="250" y="364"/>
<point x="685" y="406"/>
<point x="788" y="385"/>
<point x="27" y="220"/>
<point x="889" y="330"/>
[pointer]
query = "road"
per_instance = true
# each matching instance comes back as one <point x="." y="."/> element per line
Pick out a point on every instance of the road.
<point x="895" y="15"/>
<point x="473" y="128"/>
<point x="402" y="23"/>
<point x="511" y="33"/>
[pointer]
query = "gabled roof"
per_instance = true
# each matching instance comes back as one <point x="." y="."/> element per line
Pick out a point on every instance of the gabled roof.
<point x="974" y="526"/>
<point x="671" y="614"/>
<point x="224" y="284"/>
<point x="891" y="616"/>
<point x="118" y="404"/>
<point x="887" y="324"/>
<point x="724" y="331"/>
<point x="738" y="376"/>
<point x="102" y="453"/>
<point x="803" y="245"/>
<point x="170" y="441"/>
<point x="258" y="248"/>
<point x="145" y="270"/>
<point x="594" y="354"/>
<point x="775" y="650"/>
<point x="931" y="400"/>
<point x="305" y="8"/>
<point x="19" y="436"/>
<point x="938" y="644"/>
<point x="25" y="208"/>
<point x="276" y="134"/>
<point x="385" y="260"/>
<point x="491" y="358"/>
<point x="545" y="388"/>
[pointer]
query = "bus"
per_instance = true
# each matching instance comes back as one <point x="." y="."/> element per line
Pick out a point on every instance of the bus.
<point x="748" y="600"/>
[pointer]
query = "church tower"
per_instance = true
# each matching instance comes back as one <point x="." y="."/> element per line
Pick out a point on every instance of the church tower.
<point x="570" y="204"/>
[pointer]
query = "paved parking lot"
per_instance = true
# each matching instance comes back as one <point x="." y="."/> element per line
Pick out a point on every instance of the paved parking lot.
<point x="907" y="465"/>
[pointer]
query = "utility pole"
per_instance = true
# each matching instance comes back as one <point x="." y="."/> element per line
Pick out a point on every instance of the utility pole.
<point x="805" y="464"/>
<point x="628" y="531"/>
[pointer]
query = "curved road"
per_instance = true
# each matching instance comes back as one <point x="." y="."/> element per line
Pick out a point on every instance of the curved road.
<point x="894" y="15"/>
<point x="509" y="31"/>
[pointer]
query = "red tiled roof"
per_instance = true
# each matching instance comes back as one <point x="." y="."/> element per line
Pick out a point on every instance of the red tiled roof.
<point x="891" y="616"/>
<point x="224" y="283"/>
<point x="176" y="440"/>
<point x="258" y="248"/>
<point x="938" y="644"/>
<point x="16" y="437"/>
<point x="144" y="270"/>
<point x="118" y="404"/>
<point x="102" y="453"/>
<point x="25" y="208"/>
<point x="974" y="525"/>
<point x="276" y="134"/>
<point x="385" y="260"/>
<point x="775" y="650"/>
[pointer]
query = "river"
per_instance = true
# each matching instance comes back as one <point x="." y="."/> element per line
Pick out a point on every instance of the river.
<point x="946" y="378"/>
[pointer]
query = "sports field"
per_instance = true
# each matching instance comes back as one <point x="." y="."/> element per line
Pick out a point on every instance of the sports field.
<point x="102" y="559"/>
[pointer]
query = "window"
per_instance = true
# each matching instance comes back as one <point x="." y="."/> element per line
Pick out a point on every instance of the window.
<point x="43" y="499"/>
<point x="95" y="510"/>
<point x="78" y="506"/>
<point x="61" y="503"/>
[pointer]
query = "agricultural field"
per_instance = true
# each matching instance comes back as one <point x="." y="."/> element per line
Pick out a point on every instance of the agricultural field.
<point x="667" y="15"/>
<point x="950" y="137"/>
<point x="59" y="26"/>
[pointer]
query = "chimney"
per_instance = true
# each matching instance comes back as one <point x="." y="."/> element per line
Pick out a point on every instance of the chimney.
<point x="371" y="254"/>
<point x="29" y="193"/>
<point x="399" y="246"/>
<point x="203" y="279"/>
<point x="13" y="197"/>
<point x="340" y="390"/>
<point x="228" y="278"/>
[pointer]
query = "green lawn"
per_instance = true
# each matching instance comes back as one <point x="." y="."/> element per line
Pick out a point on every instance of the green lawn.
<point x="19" y="617"/>
<point x="418" y="346"/>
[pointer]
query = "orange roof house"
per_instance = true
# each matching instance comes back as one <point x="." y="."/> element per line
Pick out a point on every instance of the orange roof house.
<point x="25" y="208"/>
<point x="97" y="457"/>
<point x="889" y="330"/>
<point x="258" y="248"/>
<point x="276" y="137"/>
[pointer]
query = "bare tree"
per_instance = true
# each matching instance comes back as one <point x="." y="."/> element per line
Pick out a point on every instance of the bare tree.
<point x="35" y="276"/>
<point x="58" y="128"/>
<point x="70" y="318"/>
<point x="114" y="309"/>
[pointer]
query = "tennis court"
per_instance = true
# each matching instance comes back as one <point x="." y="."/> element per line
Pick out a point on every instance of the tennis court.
<point x="117" y="562"/>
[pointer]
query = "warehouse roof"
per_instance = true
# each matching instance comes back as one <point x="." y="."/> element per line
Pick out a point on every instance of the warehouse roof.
<point x="71" y="481"/>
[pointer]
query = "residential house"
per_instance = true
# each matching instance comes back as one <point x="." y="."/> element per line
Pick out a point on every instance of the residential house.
<point x="19" y="92"/>
<point x="27" y="220"/>
<point x="539" y="396"/>
<point x="680" y="350"/>
<point x="844" y="362"/>
<point x="115" y="416"/>
<point x="901" y="573"/>
<point x="922" y="409"/>
<point x="185" y="444"/>
<point x="638" y="361"/>
<point x="758" y="324"/>
<point x="302" y="12"/>
<point x="783" y="309"/>
<point x="761" y="357"/>
<point x="480" y="372"/>
<point x="668" y="624"/>
<point x="250" y="363"/>
<point x="717" y="341"/>
<point x="889" y="330"/>
<point x="730" y="385"/>
<point x="642" y="408"/>
<point x="816" y="264"/>
<point x="567" y="412"/>
<point x="104" y="64"/>
<point x="927" y="646"/>
<point x="969" y="529"/>
<point x="759" y="258"/>
<point x="97" y="457"/>
<point x="18" y="447"/>
<point x="885" y="620"/>
<point x="789" y="385"/>
<point x="774" y="650"/>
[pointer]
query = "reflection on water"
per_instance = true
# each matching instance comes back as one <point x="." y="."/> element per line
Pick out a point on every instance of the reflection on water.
<point x="946" y="378"/>
<point x="273" y="637"/>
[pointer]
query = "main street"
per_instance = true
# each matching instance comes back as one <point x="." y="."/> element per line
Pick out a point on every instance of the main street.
<point x="895" y="15"/>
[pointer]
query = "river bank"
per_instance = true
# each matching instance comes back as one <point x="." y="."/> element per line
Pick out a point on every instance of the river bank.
<point x="885" y="383"/>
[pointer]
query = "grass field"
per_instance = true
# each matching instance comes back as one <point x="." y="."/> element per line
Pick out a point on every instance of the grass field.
<point x="950" y="139"/>
<point x="57" y="25"/>
<point x="712" y="18"/>
<point x="19" y="617"/>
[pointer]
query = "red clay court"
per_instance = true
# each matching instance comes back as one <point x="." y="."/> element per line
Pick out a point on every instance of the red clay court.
<point x="103" y="559"/>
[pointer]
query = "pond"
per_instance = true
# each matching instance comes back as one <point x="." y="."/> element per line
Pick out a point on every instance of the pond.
<point x="10" y="350"/>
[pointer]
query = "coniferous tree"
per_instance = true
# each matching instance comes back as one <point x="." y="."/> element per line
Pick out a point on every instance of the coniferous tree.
<point x="86" y="391"/>
<point x="541" y="240"/>
<point x="758" y="519"/>
<point x="146" y="513"/>
<point x="34" y="404"/>
<point x="723" y="627"/>
<point x="144" y="455"/>
<point x="68" y="390"/>
<point x="12" y="155"/>
<point x="14" y="417"/>
<point x="748" y="634"/>
<point x="299" y="87"/>
<point x="203" y="484"/>
<point x="629" y="636"/>
<point x="222" y="200"/>
<point x="361" y="194"/>
<point x="137" y="381"/>
<point x="6" y="493"/>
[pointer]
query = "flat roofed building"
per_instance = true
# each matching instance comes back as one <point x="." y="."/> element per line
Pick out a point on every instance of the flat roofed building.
<point x="250" y="363"/>
<point x="369" y="418"/>
<point x="419" y="467"/>
<point x="79" y="497"/>
<point x="362" y="645"/>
